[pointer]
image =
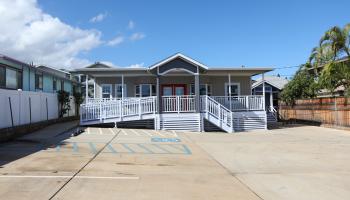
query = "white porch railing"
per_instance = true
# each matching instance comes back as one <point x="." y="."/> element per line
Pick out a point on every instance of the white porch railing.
<point x="184" y="103"/>
<point x="117" y="108"/>
<point x="217" y="113"/>
<point x="241" y="103"/>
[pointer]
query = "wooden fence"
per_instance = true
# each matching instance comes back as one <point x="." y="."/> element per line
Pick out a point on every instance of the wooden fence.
<point x="332" y="111"/>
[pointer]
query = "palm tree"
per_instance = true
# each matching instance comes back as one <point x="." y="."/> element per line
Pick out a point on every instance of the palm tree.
<point x="319" y="56"/>
<point x="338" y="39"/>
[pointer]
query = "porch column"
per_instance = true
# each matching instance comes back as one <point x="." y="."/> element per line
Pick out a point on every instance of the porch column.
<point x="229" y="91"/>
<point x="158" y="95"/>
<point x="271" y="99"/>
<point x="263" y="85"/>
<point x="196" y="92"/>
<point x="86" y="88"/>
<point x="122" y="86"/>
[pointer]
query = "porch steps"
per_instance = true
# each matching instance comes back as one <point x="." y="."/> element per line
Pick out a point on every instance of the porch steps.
<point x="182" y="121"/>
<point x="271" y="117"/>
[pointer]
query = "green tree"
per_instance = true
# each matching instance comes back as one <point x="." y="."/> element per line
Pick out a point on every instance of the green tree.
<point x="303" y="85"/>
<point x="64" y="101"/>
<point x="335" y="75"/>
<point x="338" y="39"/>
<point x="78" y="97"/>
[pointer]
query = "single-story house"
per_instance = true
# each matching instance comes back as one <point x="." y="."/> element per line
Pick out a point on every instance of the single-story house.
<point x="177" y="93"/>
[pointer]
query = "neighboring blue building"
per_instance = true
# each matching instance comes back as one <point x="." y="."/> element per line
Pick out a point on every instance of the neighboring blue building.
<point x="16" y="75"/>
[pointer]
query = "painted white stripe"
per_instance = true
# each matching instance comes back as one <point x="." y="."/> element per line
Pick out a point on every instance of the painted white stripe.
<point x="81" y="177"/>
<point x="125" y="133"/>
<point x="160" y="133"/>
<point x="100" y="130"/>
<point x="149" y="134"/>
<point x="136" y="133"/>
<point x="174" y="133"/>
<point x="112" y="131"/>
<point x="88" y="131"/>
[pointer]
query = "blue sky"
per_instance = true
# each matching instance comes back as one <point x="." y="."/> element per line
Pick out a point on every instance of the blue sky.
<point x="216" y="33"/>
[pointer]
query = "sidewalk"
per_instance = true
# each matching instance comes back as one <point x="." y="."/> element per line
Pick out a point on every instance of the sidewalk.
<point x="50" y="131"/>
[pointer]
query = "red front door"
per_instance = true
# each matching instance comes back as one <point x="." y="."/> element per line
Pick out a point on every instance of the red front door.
<point x="174" y="90"/>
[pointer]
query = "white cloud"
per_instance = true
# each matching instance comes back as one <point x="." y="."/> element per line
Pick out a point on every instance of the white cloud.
<point x="131" y="25"/>
<point x="98" y="18"/>
<point x="111" y="64"/>
<point x="139" y="65"/>
<point x="116" y="41"/>
<point x="137" y="36"/>
<point x="32" y="35"/>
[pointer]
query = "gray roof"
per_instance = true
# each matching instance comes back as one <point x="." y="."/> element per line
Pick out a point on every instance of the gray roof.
<point x="275" y="81"/>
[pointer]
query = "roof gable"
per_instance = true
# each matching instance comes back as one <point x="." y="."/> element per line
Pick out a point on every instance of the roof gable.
<point x="98" y="65"/>
<point x="179" y="56"/>
<point x="274" y="81"/>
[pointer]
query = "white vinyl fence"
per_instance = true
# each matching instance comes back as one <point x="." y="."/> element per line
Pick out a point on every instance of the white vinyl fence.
<point x="25" y="107"/>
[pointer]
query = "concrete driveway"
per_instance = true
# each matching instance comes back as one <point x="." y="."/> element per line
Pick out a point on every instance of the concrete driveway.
<point x="107" y="163"/>
<point x="302" y="163"/>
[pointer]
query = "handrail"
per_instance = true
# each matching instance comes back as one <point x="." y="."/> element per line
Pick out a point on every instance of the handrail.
<point x="213" y="107"/>
<point x="178" y="104"/>
<point x="241" y="103"/>
<point x="118" y="108"/>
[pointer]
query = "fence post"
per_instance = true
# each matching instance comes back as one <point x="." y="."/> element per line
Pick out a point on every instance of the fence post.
<point x="11" y="111"/>
<point x="47" y="111"/>
<point x="30" y="110"/>
<point x="140" y="110"/>
<point x="177" y="101"/>
<point x="247" y="102"/>
<point x="121" y="109"/>
<point x="100" y="111"/>
<point x="219" y="114"/>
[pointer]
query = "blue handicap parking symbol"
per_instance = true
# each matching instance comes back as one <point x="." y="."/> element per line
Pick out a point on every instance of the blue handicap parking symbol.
<point x="165" y="140"/>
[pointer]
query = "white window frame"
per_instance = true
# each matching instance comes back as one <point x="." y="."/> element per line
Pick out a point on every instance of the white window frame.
<point x="111" y="90"/>
<point x="206" y="89"/>
<point x="140" y="89"/>
<point x="233" y="83"/>
<point x="116" y="88"/>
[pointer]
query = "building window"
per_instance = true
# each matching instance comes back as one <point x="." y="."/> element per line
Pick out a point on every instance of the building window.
<point x="10" y="78"/>
<point x="54" y="84"/>
<point x="106" y="91"/>
<point x="118" y="90"/>
<point x="2" y="76"/>
<point x="62" y="85"/>
<point x="145" y="90"/>
<point x="204" y="89"/>
<point x="235" y="89"/>
<point x="38" y="81"/>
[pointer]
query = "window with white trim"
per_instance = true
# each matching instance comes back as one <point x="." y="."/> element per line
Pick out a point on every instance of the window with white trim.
<point x="145" y="90"/>
<point x="204" y="89"/>
<point x="106" y="90"/>
<point x="118" y="90"/>
<point x="235" y="89"/>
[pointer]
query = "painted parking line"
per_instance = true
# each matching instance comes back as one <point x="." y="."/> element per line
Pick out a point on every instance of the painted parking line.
<point x="112" y="131"/>
<point x="147" y="133"/>
<point x="114" y="148"/>
<point x="135" y="132"/>
<point x="92" y="147"/>
<point x="145" y="148"/>
<point x="75" y="147"/>
<point x="161" y="148"/>
<point x="100" y="131"/>
<point x="128" y="148"/>
<point x="79" y="177"/>
<point x="155" y="139"/>
<point x="111" y="148"/>
<point x="124" y="132"/>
